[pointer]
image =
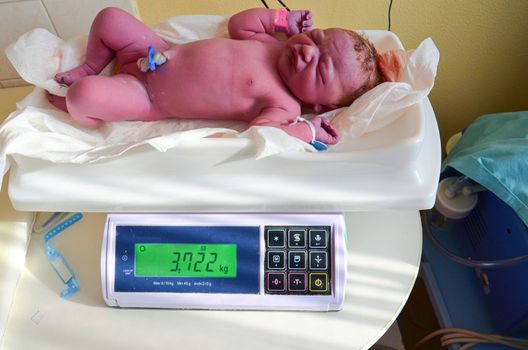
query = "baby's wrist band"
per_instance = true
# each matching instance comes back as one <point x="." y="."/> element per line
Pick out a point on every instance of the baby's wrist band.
<point x="280" y="24"/>
<point x="310" y="125"/>
<point x="318" y="145"/>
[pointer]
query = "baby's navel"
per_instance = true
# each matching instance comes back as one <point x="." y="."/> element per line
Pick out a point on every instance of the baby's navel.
<point x="249" y="82"/>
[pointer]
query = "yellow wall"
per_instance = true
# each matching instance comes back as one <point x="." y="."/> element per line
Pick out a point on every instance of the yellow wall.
<point x="483" y="44"/>
<point x="9" y="97"/>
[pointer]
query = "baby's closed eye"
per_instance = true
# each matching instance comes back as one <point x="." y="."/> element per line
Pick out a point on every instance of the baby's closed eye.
<point x="324" y="67"/>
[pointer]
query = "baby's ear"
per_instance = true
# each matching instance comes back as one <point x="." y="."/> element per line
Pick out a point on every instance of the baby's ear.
<point x="324" y="108"/>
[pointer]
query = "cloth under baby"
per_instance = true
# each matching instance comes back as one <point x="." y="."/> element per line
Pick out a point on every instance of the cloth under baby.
<point x="39" y="130"/>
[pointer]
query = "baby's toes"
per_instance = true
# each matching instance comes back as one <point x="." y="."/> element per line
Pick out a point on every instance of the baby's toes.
<point x="63" y="79"/>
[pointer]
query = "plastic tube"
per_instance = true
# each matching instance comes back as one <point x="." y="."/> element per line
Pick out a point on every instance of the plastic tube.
<point x="483" y="264"/>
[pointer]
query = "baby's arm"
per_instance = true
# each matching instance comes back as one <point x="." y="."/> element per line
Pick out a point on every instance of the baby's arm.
<point x="281" y="119"/>
<point x="260" y="24"/>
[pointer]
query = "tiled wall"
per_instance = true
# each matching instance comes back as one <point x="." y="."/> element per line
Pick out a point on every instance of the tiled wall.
<point x="64" y="18"/>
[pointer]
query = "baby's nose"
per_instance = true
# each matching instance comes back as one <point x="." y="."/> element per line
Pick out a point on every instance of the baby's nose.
<point x="308" y="53"/>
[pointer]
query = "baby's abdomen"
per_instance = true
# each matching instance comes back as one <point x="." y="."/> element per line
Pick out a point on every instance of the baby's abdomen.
<point x="203" y="81"/>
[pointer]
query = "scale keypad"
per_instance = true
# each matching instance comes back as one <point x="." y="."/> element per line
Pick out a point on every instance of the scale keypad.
<point x="297" y="260"/>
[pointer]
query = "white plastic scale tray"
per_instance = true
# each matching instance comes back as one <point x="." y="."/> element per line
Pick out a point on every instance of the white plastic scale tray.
<point x="395" y="167"/>
<point x="223" y="176"/>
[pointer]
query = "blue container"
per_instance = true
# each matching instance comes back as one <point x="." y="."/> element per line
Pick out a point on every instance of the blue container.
<point x="493" y="231"/>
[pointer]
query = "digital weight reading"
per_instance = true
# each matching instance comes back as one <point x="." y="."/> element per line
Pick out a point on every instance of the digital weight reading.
<point x="186" y="260"/>
<point x="243" y="261"/>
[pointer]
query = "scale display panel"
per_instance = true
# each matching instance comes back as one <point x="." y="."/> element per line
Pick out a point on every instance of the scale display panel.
<point x="224" y="261"/>
<point x="185" y="260"/>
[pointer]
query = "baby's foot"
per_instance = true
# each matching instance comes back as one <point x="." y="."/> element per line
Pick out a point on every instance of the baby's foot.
<point x="57" y="101"/>
<point x="71" y="76"/>
<point x="60" y="103"/>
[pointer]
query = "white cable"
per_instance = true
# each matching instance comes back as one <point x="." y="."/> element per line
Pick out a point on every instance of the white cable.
<point x="450" y="336"/>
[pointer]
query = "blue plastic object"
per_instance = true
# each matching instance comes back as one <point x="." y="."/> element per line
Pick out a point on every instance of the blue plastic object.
<point x="57" y="261"/>
<point x="484" y="300"/>
<point x="494" y="231"/>
<point x="319" y="146"/>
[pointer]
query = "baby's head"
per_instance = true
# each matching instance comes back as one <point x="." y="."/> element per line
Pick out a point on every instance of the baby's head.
<point x="329" y="68"/>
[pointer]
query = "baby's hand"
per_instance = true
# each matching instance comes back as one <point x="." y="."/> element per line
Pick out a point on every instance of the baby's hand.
<point x="325" y="132"/>
<point x="299" y="21"/>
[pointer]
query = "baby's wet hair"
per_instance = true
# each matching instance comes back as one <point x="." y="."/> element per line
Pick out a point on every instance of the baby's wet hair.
<point x="368" y="57"/>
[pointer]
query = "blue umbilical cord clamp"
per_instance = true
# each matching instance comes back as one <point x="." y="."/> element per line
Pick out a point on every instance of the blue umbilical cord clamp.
<point x="151" y="61"/>
<point x="151" y="53"/>
<point x="56" y="260"/>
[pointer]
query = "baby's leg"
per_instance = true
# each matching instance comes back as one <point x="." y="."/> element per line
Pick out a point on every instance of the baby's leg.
<point x="114" y="32"/>
<point x="120" y="97"/>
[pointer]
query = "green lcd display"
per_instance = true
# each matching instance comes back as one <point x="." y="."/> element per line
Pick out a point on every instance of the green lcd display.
<point x="186" y="260"/>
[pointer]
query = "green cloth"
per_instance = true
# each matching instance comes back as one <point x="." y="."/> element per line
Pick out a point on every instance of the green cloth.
<point x="493" y="152"/>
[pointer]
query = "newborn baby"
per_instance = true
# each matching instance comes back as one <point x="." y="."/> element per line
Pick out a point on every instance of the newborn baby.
<point x="252" y="76"/>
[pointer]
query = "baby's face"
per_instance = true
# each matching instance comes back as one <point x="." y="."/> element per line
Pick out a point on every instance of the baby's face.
<point x="320" y="66"/>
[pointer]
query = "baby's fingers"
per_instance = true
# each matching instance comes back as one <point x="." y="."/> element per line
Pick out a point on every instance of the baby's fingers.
<point x="333" y="135"/>
<point x="324" y="132"/>
<point x="307" y="22"/>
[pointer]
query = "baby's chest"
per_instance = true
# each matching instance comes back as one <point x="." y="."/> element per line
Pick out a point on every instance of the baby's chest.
<point x="233" y="78"/>
<point x="242" y="65"/>
<point x="225" y="77"/>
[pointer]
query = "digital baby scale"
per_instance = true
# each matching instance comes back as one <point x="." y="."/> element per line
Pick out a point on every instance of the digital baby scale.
<point x="225" y="261"/>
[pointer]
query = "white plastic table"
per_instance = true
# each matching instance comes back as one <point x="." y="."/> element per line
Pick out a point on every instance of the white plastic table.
<point x="383" y="260"/>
